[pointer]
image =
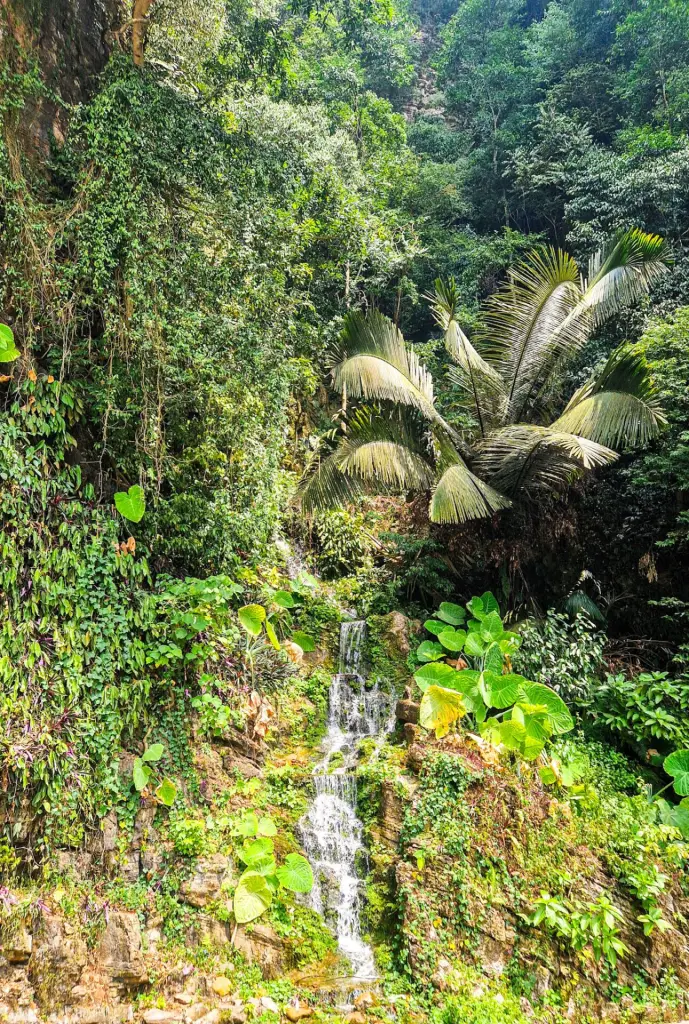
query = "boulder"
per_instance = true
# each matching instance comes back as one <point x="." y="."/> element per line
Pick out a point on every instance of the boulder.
<point x="297" y="1013"/>
<point x="397" y="628"/>
<point x="119" y="954"/>
<point x="206" y="931"/>
<point x="407" y="711"/>
<point x="206" y="883"/>
<point x="222" y="986"/>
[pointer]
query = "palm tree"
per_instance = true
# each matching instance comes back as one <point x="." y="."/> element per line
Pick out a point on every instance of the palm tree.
<point x="397" y="441"/>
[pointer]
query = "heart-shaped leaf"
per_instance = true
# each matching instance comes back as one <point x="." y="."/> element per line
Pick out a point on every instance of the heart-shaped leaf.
<point x="252" y="897"/>
<point x="491" y="628"/>
<point x="131" y="504"/>
<point x="266" y="827"/>
<point x="504" y="690"/>
<point x="474" y="645"/>
<point x="296" y="874"/>
<point x="434" y="626"/>
<point x="8" y="351"/>
<point x="476" y="608"/>
<point x="306" y="642"/>
<point x="489" y="603"/>
<point x="252" y="617"/>
<point x="436" y="673"/>
<point x="247" y="825"/>
<point x="453" y="639"/>
<point x="429" y="651"/>
<point x="451" y="613"/>
<point x="559" y="718"/>
<point x="492" y="660"/>
<point x="677" y="765"/>
<point x="439" y="709"/>
<point x="153" y="753"/>
<point x="284" y="599"/>
<point x="166" y="792"/>
<point x="255" y="851"/>
<point x="141" y="773"/>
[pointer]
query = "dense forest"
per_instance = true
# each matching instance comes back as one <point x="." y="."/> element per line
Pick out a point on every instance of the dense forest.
<point x="319" y="318"/>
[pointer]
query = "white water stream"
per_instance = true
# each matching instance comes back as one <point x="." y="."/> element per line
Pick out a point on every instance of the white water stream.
<point x="331" y="831"/>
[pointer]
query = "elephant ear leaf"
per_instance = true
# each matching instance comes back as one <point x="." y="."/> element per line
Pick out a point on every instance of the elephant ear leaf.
<point x="555" y="709"/>
<point x="429" y="650"/>
<point x="489" y="603"/>
<point x="451" y="613"/>
<point x="252" y="617"/>
<point x="296" y="874"/>
<point x="439" y="709"/>
<point x="435" y="673"/>
<point x="8" y="351"/>
<point x="252" y="897"/>
<point x="677" y="765"/>
<point x="131" y="504"/>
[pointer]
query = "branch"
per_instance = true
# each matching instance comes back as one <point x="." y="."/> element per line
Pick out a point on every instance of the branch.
<point x="139" y="25"/>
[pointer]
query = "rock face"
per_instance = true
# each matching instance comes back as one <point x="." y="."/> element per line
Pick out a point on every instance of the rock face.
<point x="397" y="628"/>
<point x="262" y="946"/>
<point x="206" y="883"/>
<point x="57" y="959"/>
<point x="71" y="41"/>
<point x="119" y="953"/>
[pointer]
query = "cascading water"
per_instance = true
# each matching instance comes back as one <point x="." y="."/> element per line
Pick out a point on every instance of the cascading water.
<point x="331" y="831"/>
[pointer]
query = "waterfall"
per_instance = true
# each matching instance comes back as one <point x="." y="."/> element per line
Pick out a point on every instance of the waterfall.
<point x="331" y="831"/>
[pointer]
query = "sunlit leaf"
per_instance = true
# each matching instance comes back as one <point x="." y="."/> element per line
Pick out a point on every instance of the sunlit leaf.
<point x="131" y="504"/>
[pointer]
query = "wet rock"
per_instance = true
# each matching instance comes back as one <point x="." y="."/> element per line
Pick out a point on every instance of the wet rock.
<point x="397" y="628"/>
<point x="57" y="959"/>
<point x="407" y="711"/>
<point x="542" y="983"/>
<point x="355" y="1018"/>
<point x="206" y="883"/>
<point x="119" y="954"/>
<point x="297" y="1013"/>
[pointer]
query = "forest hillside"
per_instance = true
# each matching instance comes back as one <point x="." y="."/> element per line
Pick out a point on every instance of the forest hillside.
<point x="344" y="511"/>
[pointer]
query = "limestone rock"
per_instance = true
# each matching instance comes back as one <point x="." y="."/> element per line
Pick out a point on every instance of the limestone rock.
<point x="222" y="986"/>
<point x="206" y="882"/>
<point x="407" y="711"/>
<point x="213" y="1017"/>
<point x="57" y="959"/>
<point x="297" y="1013"/>
<point x="195" y="1012"/>
<point x="17" y="942"/>
<point x="262" y="946"/>
<point x="206" y="931"/>
<point x="268" y="1004"/>
<point x="119" y="953"/>
<point x="397" y="628"/>
<point x="155" y="1016"/>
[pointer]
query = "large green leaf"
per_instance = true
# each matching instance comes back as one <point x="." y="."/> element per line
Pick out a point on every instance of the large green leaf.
<point x="439" y="709"/>
<point x="491" y="628"/>
<point x="284" y="599"/>
<point x="8" y="351"/>
<point x="430" y="651"/>
<point x="675" y="815"/>
<point x="677" y="765"/>
<point x="557" y="712"/>
<point x="266" y="827"/>
<point x="295" y="874"/>
<point x="272" y="635"/>
<point x="489" y="603"/>
<point x="434" y="626"/>
<point x="252" y="617"/>
<point x="166" y="792"/>
<point x="451" y="613"/>
<point x="247" y="825"/>
<point x="141" y="773"/>
<point x="256" y="851"/>
<point x="474" y="646"/>
<point x="252" y="897"/>
<point x="306" y="642"/>
<point x="453" y="639"/>
<point x="493" y="659"/>
<point x="153" y="753"/>
<point x="435" y="673"/>
<point x="131" y="504"/>
<point x="504" y="690"/>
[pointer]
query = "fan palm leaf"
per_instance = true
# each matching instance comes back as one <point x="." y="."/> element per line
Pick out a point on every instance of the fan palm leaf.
<point x="460" y="495"/>
<point x="374" y="363"/>
<point x="623" y="274"/>
<point x="526" y="457"/>
<point x="528" y="327"/>
<point x="619" y="406"/>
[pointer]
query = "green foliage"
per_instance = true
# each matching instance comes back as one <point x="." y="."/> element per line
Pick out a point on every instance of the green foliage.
<point x="263" y="877"/>
<point x="143" y="773"/>
<point x="644" y="709"/>
<point x="131" y="504"/>
<point x="562" y="652"/>
<point x="597" y="925"/>
<point x="450" y="691"/>
<point x="8" y="350"/>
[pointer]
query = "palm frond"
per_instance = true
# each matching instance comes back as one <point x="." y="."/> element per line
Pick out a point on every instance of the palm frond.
<point x="459" y="496"/>
<point x="527" y="326"/>
<point x="625" y="273"/>
<point x="380" y="454"/>
<point x="374" y="363"/>
<point x="619" y="406"/>
<point x="525" y="457"/>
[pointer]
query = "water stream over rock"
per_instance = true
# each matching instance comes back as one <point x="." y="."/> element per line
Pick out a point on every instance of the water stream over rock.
<point x="331" y="831"/>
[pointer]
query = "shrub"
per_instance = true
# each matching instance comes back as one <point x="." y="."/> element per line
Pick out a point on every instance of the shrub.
<point x="565" y="654"/>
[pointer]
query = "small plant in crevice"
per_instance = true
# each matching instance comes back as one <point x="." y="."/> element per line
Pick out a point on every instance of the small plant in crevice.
<point x="143" y="774"/>
<point x="595" y="926"/>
